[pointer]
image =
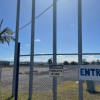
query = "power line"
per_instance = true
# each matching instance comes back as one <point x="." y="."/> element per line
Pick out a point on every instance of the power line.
<point x="30" y="23"/>
<point x="24" y="26"/>
<point x="44" y="11"/>
<point x="36" y="17"/>
<point x="6" y="48"/>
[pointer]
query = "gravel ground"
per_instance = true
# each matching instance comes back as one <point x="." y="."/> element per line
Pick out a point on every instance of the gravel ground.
<point x="41" y="81"/>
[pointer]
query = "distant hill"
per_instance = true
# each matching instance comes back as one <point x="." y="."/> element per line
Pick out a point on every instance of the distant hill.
<point x="28" y="62"/>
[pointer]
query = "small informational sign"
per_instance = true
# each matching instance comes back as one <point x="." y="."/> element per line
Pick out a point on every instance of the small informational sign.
<point x="56" y="70"/>
<point x="89" y="72"/>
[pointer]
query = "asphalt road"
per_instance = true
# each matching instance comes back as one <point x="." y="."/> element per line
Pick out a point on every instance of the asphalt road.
<point x="41" y="81"/>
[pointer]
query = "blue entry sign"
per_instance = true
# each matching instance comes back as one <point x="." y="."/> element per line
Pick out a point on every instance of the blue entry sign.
<point x="56" y="70"/>
<point x="89" y="72"/>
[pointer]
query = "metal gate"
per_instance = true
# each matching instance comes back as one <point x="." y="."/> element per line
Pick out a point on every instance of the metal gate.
<point x="34" y="81"/>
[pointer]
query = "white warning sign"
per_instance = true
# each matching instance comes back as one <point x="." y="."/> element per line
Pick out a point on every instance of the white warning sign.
<point x="56" y="70"/>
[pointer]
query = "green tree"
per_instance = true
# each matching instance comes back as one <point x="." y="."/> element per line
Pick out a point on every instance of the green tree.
<point x="65" y="63"/>
<point x="73" y="63"/>
<point x="84" y="62"/>
<point x="5" y="35"/>
<point x="98" y="62"/>
<point x="93" y="62"/>
<point x="49" y="61"/>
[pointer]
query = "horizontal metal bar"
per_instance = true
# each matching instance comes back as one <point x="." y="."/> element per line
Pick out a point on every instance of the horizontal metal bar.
<point x="64" y="54"/>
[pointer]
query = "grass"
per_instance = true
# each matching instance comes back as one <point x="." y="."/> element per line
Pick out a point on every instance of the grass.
<point x="67" y="91"/>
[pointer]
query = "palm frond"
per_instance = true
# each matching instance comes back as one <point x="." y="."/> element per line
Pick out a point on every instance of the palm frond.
<point x="1" y="22"/>
<point x="11" y="38"/>
<point x="6" y="39"/>
<point x="3" y="32"/>
<point x="1" y="40"/>
<point x="9" y="31"/>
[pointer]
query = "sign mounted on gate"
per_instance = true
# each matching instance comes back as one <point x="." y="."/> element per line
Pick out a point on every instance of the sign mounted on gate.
<point x="89" y="72"/>
<point x="56" y="70"/>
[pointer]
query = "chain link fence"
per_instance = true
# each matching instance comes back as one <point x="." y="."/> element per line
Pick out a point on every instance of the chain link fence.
<point x="6" y="77"/>
<point x="67" y="85"/>
<point x="23" y="86"/>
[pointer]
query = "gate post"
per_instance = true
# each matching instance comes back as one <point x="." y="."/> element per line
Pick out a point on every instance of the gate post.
<point x="80" y="45"/>
<point x="54" y="48"/>
<point x="32" y="51"/>
<point x="16" y="47"/>
<point x="0" y="71"/>
<point x="17" y="72"/>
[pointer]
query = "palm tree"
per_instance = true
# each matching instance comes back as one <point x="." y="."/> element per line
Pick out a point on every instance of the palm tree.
<point x="5" y="35"/>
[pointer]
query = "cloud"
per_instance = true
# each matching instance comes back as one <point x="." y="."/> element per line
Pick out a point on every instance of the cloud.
<point x="27" y="45"/>
<point x="72" y="24"/>
<point x="37" y="40"/>
<point x="45" y="53"/>
<point x="23" y="59"/>
<point x="60" y="58"/>
<point x="60" y="55"/>
<point x="40" y="60"/>
<point x="10" y="59"/>
<point x="89" y="56"/>
<point x="42" y="53"/>
<point x="59" y="50"/>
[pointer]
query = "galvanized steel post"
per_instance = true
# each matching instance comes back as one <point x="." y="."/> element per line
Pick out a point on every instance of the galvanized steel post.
<point x="32" y="50"/>
<point x="54" y="48"/>
<point x="0" y="71"/>
<point x="80" y="45"/>
<point x="17" y="72"/>
<point x="16" y="46"/>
